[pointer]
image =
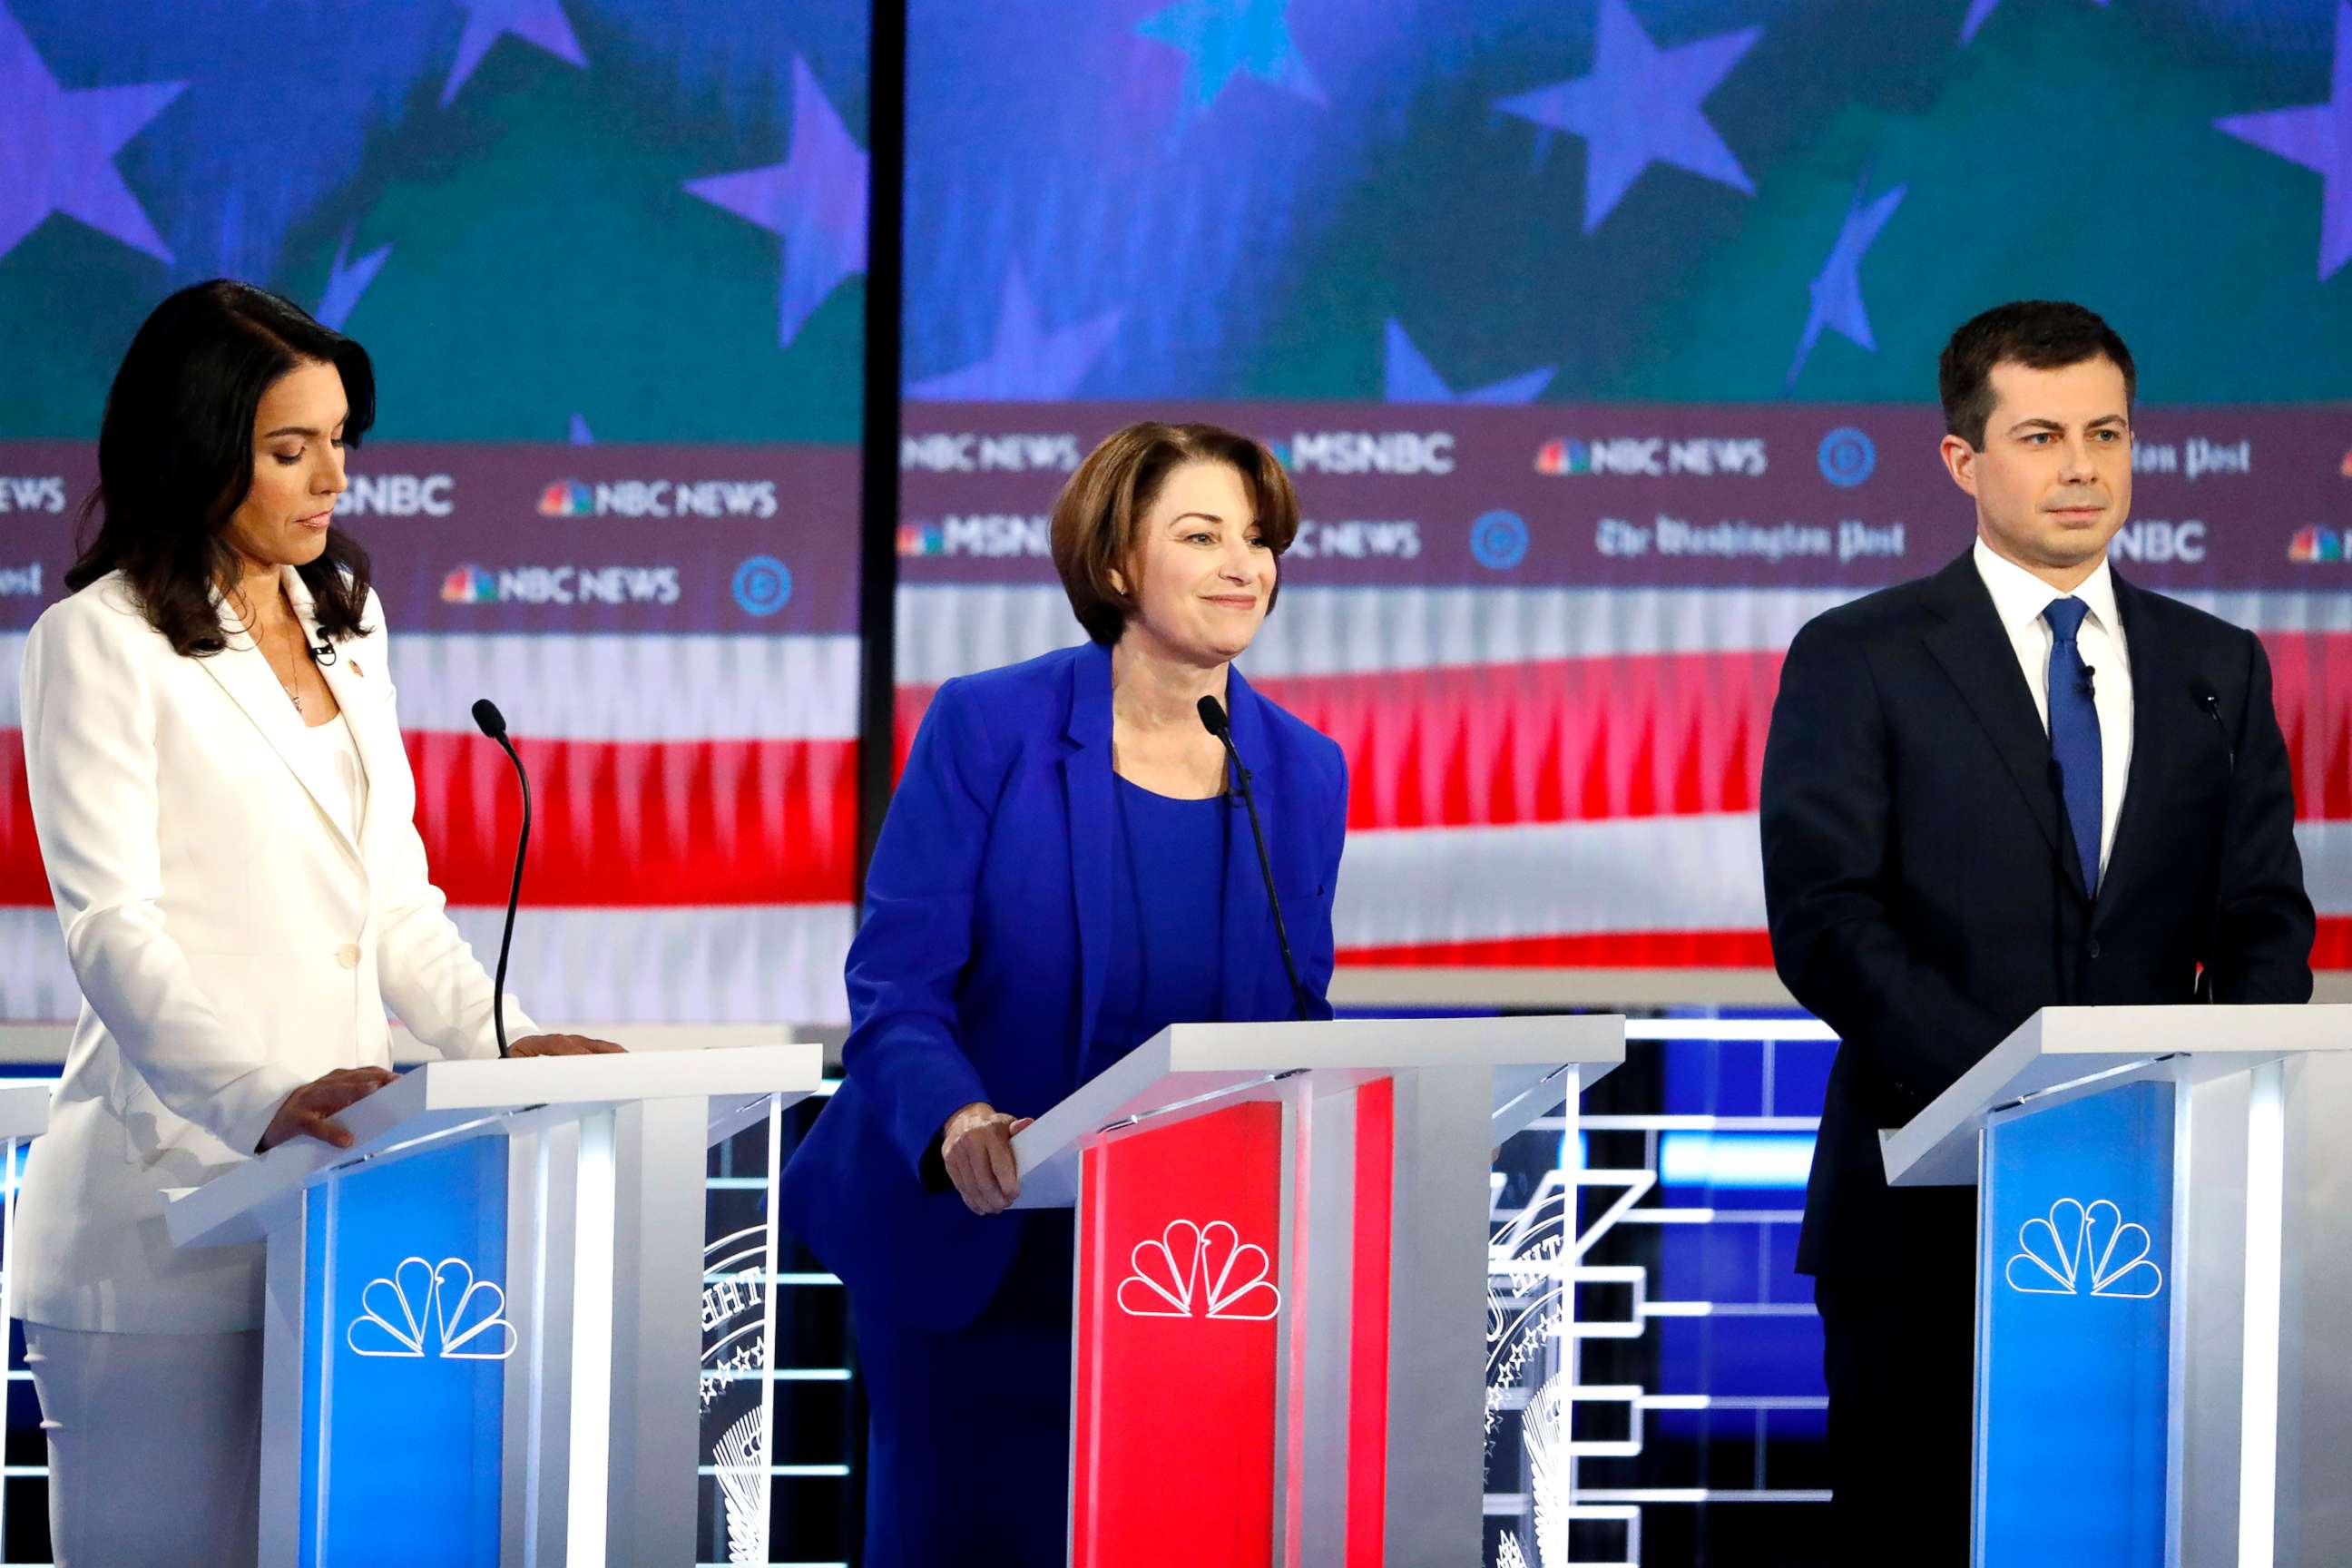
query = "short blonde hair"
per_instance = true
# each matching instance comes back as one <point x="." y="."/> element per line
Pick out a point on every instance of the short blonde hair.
<point x="1098" y="517"/>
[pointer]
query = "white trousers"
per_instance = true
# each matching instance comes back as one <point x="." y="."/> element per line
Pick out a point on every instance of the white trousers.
<point x="154" y="1446"/>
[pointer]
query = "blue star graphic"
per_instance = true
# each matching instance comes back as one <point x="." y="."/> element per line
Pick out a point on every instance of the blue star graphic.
<point x="1027" y="364"/>
<point x="1411" y="377"/>
<point x="2318" y="137"/>
<point x="347" y="281"/>
<point x="1225" y="38"/>
<point x="1837" y="288"/>
<point x="581" y="435"/>
<point x="58" y="148"/>
<point x="1640" y="105"/>
<point x="539" y="22"/>
<point x="1979" y="11"/>
<point x="815" y="202"/>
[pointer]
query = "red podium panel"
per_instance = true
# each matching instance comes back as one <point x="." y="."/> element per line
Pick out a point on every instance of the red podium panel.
<point x="1172" y="1443"/>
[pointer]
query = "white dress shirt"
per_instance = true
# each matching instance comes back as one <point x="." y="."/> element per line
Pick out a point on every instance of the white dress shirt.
<point x="2018" y="598"/>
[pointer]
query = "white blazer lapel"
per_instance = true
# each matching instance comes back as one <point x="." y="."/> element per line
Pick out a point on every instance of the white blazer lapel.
<point x="244" y="672"/>
<point x="359" y="692"/>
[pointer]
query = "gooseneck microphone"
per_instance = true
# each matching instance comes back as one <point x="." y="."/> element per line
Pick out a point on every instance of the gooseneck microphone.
<point x="1212" y="718"/>
<point x="2208" y="702"/>
<point x="493" y="723"/>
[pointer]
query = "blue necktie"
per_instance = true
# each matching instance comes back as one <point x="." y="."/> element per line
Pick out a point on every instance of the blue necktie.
<point x="2074" y="732"/>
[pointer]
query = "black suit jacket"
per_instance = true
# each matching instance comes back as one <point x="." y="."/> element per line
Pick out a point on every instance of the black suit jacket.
<point x="1922" y="886"/>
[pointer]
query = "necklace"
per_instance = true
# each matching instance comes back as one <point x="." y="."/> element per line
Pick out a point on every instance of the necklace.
<point x="292" y="694"/>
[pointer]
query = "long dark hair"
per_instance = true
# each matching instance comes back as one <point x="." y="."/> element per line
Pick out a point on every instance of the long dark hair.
<point x="175" y="458"/>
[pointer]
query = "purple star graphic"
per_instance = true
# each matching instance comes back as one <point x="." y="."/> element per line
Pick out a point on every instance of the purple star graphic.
<point x="2318" y="137"/>
<point x="1640" y="105"/>
<point x="1412" y="379"/>
<point x="814" y="201"/>
<point x="539" y="22"/>
<point x="1837" y="288"/>
<point x="347" y="281"/>
<point x="58" y="148"/>
<point x="581" y="435"/>
<point x="1979" y="11"/>
<point x="1225" y="38"/>
<point x="1028" y="364"/>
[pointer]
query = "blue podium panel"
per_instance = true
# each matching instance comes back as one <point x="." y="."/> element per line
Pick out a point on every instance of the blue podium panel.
<point x="2074" y="1325"/>
<point x="406" y="1331"/>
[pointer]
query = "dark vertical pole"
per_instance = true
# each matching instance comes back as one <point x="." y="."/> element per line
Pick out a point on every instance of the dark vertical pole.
<point x="878" y="578"/>
<point x="878" y="559"/>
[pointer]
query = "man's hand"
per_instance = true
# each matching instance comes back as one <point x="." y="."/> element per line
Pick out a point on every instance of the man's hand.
<point x="559" y="1046"/>
<point x="309" y="1110"/>
<point x="976" y="1146"/>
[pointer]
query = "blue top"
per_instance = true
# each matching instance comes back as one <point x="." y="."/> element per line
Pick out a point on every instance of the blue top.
<point x="982" y="968"/>
<point x="1167" y="918"/>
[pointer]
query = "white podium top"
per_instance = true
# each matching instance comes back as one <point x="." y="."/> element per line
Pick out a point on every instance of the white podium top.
<point x="2064" y="1053"/>
<point x="1185" y="1064"/>
<point x="25" y="1108"/>
<point x="442" y="1100"/>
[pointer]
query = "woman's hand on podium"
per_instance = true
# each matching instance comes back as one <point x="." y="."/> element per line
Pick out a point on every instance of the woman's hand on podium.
<point x="559" y="1046"/>
<point x="976" y="1147"/>
<point x="309" y="1110"/>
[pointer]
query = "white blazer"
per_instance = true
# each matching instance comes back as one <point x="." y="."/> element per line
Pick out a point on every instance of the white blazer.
<point x="231" y="940"/>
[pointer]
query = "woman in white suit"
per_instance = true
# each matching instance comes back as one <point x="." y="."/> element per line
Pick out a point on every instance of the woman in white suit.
<point x="225" y="809"/>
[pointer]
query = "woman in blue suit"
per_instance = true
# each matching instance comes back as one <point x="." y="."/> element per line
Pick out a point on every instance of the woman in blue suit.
<point x="1062" y="874"/>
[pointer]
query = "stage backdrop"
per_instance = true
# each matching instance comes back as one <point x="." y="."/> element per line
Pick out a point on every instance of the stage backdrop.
<point x="609" y="260"/>
<point x="1599" y="338"/>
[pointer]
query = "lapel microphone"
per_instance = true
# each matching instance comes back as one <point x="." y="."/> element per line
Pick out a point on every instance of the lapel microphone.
<point x="493" y="723"/>
<point x="325" y="652"/>
<point x="1212" y="718"/>
<point x="2208" y="702"/>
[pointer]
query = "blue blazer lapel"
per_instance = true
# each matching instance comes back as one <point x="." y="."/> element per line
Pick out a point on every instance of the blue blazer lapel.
<point x="1248" y="946"/>
<point x="1086" y="787"/>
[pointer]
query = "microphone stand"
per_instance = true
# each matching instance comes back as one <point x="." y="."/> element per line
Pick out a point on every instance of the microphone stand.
<point x="1213" y="717"/>
<point x="493" y="723"/>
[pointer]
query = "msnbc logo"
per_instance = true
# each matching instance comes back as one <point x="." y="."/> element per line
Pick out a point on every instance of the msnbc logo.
<point x="2316" y="542"/>
<point x="470" y="585"/>
<point x="922" y="539"/>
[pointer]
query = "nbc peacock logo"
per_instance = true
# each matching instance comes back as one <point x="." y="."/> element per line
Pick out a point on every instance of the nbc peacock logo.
<point x="1191" y="1270"/>
<point x="463" y="1318"/>
<point x="567" y="497"/>
<point x="2085" y="1249"/>
<point x="470" y="585"/>
<point x="2316" y="542"/>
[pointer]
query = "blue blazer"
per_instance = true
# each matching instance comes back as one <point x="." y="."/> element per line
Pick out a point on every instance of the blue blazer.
<point x="979" y="971"/>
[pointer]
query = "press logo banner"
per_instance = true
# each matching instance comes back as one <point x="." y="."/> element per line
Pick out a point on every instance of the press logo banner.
<point x="2074" y="1333"/>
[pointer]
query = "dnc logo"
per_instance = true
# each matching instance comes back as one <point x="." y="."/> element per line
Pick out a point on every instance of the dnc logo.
<point x="1847" y="456"/>
<point x="2082" y="1250"/>
<point x="1500" y="539"/>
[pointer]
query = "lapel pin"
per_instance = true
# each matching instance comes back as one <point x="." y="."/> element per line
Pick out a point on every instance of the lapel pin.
<point x="357" y="670"/>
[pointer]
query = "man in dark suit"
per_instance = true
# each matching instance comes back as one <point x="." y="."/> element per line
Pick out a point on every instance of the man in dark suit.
<point x="2020" y="781"/>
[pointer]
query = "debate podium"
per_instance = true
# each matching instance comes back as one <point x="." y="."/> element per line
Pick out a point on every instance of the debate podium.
<point x="482" y="1322"/>
<point x="2151" y="1183"/>
<point x="1281" y="1281"/>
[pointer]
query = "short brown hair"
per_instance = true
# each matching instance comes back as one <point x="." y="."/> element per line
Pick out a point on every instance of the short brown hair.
<point x="1098" y="517"/>
<point x="2039" y="334"/>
